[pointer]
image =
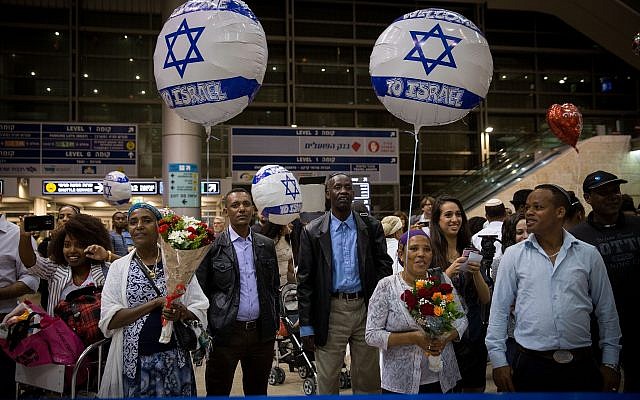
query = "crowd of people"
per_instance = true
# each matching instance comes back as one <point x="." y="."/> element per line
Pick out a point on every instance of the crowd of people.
<point x="549" y="305"/>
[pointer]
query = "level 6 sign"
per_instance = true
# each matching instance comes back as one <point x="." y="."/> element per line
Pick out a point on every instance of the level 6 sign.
<point x="183" y="185"/>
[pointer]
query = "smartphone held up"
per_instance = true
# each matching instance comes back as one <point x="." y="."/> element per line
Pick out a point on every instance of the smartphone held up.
<point x="34" y="223"/>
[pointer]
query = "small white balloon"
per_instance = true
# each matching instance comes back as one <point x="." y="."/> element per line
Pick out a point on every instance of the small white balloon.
<point x="210" y="60"/>
<point x="276" y="194"/>
<point x="431" y="67"/>
<point x="116" y="188"/>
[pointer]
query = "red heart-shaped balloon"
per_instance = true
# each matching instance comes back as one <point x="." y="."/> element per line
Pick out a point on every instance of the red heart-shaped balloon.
<point x="565" y="122"/>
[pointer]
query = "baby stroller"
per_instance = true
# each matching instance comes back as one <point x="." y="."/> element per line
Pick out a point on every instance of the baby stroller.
<point x="289" y="347"/>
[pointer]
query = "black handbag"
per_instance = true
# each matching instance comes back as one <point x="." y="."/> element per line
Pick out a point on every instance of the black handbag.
<point x="185" y="336"/>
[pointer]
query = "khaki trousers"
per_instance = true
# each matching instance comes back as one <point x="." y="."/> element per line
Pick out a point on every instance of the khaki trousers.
<point x="347" y="322"/>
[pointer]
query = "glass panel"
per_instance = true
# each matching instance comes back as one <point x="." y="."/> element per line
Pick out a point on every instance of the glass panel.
<point x="120" y="113"/>
<point x="334" y="55"/>
<point x="271" y="94"/>
<point x="34" y="15"/>
<point x="323" y="11"/>
<point x="115" y="68"/>
<point x="34" y="40"/>
<point x="436" y="141"/>
<point x="513" y="81"/>
<point x="363" y="77"/>
<point x="523" y="100"/>
<point x="616" y="102"/>
<point x="369" y="31"/>
<point x="383" y="118"/>
<point x="116" y="44"/>
<point x="513" y="61"/>
<point x="117" y="89"/>
<point x="110" y="19"/>
<point x="367" y="96"/>
<point x="510" y="38"/>
<point x="445" y="162"/>
<point x="325" y="118"/>
<point x="34" y="87"/>
<point x="324" y="95"/>
<point x="581" y="101"/>
<point x="335" y="30"/>
<point x="260" y="117"/>
<point x="323" y="75"/>
<point x="34" y="111"/>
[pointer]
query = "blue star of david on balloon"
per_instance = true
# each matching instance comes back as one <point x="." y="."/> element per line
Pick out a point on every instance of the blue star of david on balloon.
<point x="193" y="54"/>
<point x="417" y="54"/>
<point x="106" y="189"/>
<point x="288" y="190"/>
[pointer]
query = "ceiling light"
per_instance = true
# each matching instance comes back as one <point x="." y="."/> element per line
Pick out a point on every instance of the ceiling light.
<point x="489" y="129"/>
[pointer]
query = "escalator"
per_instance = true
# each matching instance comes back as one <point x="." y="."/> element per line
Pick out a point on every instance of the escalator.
<point x="508" y="166"/>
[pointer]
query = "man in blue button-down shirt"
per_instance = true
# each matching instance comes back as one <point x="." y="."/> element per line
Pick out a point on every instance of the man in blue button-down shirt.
<point x="555" y="282"/>
<point x="342" y="257"/>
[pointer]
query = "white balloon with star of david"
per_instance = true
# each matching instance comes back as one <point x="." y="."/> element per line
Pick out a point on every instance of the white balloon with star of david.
<point x="276" y="194"/>
<point x="210" y="60"/>
<point x="431" y="67"/>
<point x="116" y="188"/>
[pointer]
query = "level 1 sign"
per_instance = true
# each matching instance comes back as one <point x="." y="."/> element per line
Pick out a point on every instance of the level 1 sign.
<point x="183" y="185"/>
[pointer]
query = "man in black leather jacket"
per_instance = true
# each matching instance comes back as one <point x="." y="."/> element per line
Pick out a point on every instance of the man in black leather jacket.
<point x="342" y="257"/>
<point x="240" y="277"/>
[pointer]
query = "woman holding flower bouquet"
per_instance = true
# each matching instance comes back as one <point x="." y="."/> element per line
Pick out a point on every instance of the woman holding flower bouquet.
<point x="137" y="364"/>
<point x="403" y="308"/>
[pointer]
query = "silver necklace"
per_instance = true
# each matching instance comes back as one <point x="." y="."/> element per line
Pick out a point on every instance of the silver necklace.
<point x="150" y="271"/>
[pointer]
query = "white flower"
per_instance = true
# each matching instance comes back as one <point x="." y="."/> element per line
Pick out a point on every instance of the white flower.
<point x="178" y="237"/>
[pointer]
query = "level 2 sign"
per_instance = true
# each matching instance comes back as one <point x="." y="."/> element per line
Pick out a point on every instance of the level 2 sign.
<point x="183" y="185"/>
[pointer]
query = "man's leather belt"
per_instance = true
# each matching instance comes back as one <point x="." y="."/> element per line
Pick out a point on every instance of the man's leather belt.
<point x="560" y="356"/>
<point x="348" y="296"/>
<point x="247" y="325"/>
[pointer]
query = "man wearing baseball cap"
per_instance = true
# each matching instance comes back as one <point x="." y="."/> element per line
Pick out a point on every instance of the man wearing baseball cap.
<point x="617" y="238"/>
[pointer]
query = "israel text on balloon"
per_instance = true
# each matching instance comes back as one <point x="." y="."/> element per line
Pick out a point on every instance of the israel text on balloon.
<point x="431" y="67"/>
<point x="276" y="194"/>
<point x="210" y="60"/>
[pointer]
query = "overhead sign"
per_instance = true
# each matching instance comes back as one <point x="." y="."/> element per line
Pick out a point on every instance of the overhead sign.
<point x="67" y="149"/>
<point x="316" y="152"/>
<point x="90" y="187"/>
<point x="210" y="187"/>
<point x="183" y="185"/>
<point x="361" y="190"/>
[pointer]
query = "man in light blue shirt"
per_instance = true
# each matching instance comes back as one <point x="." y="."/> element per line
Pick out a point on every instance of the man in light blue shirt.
<point x="342" y="257"/>
<point x="555" y="281"/>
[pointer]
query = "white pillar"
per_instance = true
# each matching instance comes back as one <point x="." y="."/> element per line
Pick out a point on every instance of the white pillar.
<point x="181" y="140"/>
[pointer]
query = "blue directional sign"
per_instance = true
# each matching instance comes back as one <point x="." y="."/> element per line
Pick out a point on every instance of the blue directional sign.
<point x="371" y="153"/>
<point x="183" y="185"/>
<point x="67" y="149"/>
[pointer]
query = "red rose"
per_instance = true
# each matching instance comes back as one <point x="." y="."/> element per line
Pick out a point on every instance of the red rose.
<point x="409" y="298"/>
<point x="162" y="229"/>
<point x="191" y="229"/>
<point x="192" y="236"/>
<point x="430" y="292"/>
<point x="445" y="288"/>
<point x="423" y="292"/>
<point x="426" y="309"/>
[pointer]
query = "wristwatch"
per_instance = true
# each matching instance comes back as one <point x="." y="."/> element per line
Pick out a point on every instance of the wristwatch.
<point x="614" y="367"/>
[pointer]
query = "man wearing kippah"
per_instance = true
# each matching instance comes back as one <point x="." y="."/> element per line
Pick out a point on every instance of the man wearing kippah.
<point x="617" y="238"/>
<point x="495" y="213"/>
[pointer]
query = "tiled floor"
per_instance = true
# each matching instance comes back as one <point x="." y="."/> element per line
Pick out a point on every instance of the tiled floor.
<point x="292" y="385"/>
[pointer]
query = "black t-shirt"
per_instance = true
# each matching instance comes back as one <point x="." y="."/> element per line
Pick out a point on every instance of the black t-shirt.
<point x="619" y="246"/>
<point x="150" y="333"/>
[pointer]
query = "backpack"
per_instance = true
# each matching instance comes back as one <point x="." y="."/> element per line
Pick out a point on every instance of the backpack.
<point x="81" y="311"/>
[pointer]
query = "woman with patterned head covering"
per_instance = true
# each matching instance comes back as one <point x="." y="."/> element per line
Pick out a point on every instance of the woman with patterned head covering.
<point x="133" y="303"/>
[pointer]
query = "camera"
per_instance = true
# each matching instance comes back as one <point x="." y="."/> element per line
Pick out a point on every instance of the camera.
<point x="38" y="223"/>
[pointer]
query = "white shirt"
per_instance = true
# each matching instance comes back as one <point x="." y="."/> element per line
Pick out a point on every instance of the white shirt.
<point x="493" y="228"/>
<point x="392" y="250"/>
<point x="12" y="269"/>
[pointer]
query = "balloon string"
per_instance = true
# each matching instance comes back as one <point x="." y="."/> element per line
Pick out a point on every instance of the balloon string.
<point x="416" y="137"/>
<point x="207" y="130"/>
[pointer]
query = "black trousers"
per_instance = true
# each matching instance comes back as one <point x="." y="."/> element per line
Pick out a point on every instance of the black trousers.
<point x="7" y="376"/>
<point x="255" y="358"/>
<point x="532" y="373"/>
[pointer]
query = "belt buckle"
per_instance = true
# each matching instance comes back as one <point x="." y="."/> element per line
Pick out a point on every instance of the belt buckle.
<point x="249" y="325"/>
<point x="562" y="356"/>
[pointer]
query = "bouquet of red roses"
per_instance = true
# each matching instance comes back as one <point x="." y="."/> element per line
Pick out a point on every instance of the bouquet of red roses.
<point x="431" y="303"/>
<point x="184" y="241"/>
